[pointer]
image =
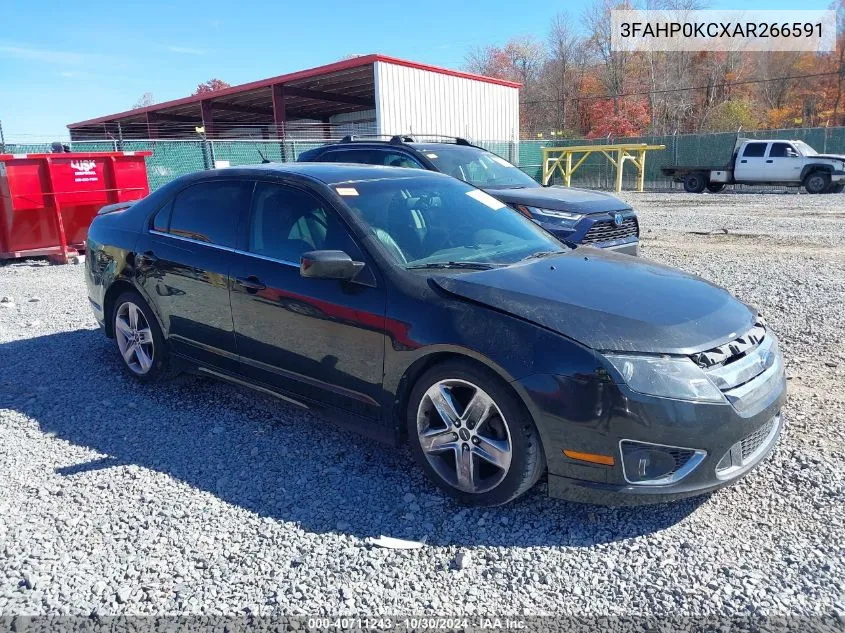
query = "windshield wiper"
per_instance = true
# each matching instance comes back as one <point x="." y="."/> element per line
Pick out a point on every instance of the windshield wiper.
<point x="466" y="265"/>
<point x="540" y="255"/>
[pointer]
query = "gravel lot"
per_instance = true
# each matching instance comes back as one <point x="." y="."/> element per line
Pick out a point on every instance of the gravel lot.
<point x="197" y="497"/>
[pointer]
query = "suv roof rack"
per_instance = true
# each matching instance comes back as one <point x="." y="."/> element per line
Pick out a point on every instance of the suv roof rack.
<point x="456" y="139"/>
<point x="403" y="138"/>
<point x="349" y="138"/>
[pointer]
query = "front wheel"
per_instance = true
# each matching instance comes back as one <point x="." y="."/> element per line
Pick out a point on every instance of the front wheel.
<point x="836" y="188"/>
<point x="817" y="182"/>
<point x="139" y="339"/>
<point x="472" y="436"/>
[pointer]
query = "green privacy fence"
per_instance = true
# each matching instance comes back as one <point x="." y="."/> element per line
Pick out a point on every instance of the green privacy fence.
<point x="174" y="158"/>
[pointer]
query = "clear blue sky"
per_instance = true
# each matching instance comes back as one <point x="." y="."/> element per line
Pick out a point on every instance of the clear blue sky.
<point x="78" y="60"/>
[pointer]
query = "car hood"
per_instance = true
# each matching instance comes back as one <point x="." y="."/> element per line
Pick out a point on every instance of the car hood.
<point x="609" y="301"/>
<point x="562" y="199"/>
<point x="834" y="156"/>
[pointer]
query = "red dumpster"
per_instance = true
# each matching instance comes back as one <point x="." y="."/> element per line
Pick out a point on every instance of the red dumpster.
<point x="47" y="201"/>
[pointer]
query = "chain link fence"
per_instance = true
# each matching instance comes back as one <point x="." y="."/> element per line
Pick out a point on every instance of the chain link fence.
<point x="174" y="158"/>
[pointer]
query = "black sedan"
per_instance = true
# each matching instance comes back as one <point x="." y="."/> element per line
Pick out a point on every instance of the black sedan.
<point x="415" y="307"/>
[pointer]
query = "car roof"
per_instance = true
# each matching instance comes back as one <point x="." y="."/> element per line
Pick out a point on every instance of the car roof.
<point x="335" y="173"/>
<point x="434" y="147"/>
<point x="427" y="146"/>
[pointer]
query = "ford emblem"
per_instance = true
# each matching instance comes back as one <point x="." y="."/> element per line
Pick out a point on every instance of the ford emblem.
<point x="617" y="219"/>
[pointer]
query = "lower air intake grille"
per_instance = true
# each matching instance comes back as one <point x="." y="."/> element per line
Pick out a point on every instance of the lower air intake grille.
<point x="751" y="443"/>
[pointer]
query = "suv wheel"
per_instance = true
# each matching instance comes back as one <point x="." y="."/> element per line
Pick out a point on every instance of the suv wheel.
<point x="472" y="436"/>
<point x="139" y="339"/>
<point x="817" y="182"/>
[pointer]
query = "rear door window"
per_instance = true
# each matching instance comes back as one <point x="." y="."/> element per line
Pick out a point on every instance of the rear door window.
<point x="364" y="156"/>
<point x="397" y="159"/>
<point x="755" y="150"/>
<point x="210" y="211"/>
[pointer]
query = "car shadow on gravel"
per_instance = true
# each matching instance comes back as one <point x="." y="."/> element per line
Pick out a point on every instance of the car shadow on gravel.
<point x="277" y="461"/>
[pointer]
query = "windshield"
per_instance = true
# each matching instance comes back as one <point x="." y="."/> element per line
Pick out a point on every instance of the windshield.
<point x="477" y="167"/>
<point x="431" y="220"/>
<point x="805" y="149"/>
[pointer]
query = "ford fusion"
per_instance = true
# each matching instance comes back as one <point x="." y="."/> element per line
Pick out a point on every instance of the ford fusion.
<point x="416" y="308"/>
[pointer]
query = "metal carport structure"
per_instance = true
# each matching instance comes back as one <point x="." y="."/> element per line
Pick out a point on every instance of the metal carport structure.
<point x="373" y="91"/>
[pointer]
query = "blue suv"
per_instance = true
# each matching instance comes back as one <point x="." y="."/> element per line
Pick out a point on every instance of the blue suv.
<point x="574" y="216"/>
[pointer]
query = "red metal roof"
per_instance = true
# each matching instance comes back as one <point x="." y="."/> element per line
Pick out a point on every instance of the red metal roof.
<point x="301" y="74"/>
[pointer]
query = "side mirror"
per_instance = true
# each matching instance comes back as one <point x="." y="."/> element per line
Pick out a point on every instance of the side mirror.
<point x="328" y="265"/>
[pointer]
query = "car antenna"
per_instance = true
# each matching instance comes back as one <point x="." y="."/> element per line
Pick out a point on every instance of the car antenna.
<point x="264" y="159"/>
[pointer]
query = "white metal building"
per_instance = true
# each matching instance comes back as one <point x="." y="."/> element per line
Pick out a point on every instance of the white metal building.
<point x="372" y="94"/>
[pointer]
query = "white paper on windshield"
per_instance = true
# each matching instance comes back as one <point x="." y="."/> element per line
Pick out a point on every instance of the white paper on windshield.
<point x="500" y="160"/>
<point x="346" y="191"/>
<point x="486" y="198"/>
<point x="432" y="155"/>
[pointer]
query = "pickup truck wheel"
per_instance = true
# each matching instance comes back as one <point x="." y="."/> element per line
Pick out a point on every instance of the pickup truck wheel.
<point x="817" y="182"/>
<point x="695" y="182"/>
<point x="836" y="188"/>
<point x="715" y="187"/>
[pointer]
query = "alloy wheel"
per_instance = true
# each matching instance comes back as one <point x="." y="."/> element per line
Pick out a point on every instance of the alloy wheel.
<point x="464" y="435"/>
<point x="134" y="338"/>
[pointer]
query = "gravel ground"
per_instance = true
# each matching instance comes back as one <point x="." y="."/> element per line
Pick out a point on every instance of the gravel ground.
<point x="197" y="497"/>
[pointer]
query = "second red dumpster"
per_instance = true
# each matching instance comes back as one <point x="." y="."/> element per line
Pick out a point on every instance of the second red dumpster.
<point x="47" y="201"/>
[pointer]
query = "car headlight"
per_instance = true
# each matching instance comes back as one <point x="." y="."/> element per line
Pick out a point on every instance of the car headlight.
<point x="562" y="218"/>
<point x="666" y="376"/>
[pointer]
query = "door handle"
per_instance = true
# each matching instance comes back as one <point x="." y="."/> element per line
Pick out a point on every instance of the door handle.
<point x="252" y="283"/>
<point x="743" y="161"/>
<point x="770" y="161"/>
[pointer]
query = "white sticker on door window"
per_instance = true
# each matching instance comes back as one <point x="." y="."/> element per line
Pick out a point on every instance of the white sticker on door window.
<point x="487" y="199"/>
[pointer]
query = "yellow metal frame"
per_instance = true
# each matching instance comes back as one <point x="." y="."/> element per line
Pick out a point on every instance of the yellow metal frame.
<point x="560" y="159"/>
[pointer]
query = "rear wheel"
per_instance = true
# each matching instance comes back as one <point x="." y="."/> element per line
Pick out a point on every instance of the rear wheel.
<point x="817" y="182"/>
<point x="836" y="188"/>
<point x="715" y="187"/>
<point x="695" y="182"/>
<point x="472" y="436"/>
<point x="139" y="339"/>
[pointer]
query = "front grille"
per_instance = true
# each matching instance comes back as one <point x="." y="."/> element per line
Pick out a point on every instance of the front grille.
<point x="747" y="369"/>
<point x="607" y="231"/>
<point x="751" y="443"/>
<point x="734" y="350"/>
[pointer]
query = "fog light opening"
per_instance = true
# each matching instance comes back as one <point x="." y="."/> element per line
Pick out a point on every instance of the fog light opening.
<point x="646" y="464"/>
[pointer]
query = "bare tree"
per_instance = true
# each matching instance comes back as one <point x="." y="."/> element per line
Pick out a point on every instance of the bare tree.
<point x="614" y="63"/>
<point x="564" y="70"/>
<point x="144" y="101"/>
<point x="839" y="7"/>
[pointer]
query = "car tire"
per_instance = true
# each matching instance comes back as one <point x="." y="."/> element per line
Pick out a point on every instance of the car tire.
<point x="836" y="188"/>
<point x="817" y="182"/>
<point x="486" y="454"/>
<point x="715" y="187"/>
<point x="139" y="340"/>
<point x="695" y="182"/>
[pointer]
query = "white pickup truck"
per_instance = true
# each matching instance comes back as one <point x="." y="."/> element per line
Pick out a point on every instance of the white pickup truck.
<point x="774" y="162"/>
